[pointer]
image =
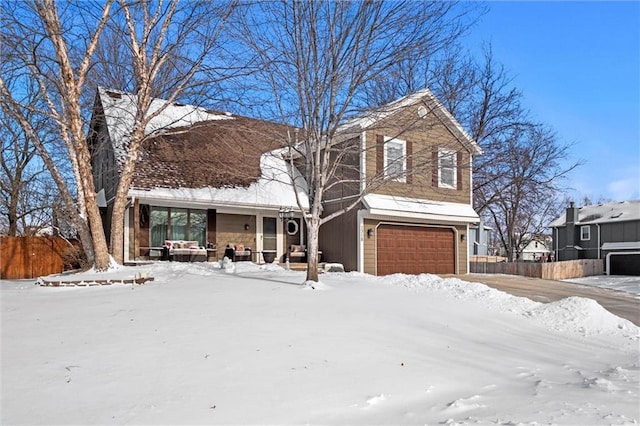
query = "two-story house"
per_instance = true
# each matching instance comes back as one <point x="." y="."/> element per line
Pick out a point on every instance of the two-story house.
<point x="416" y="221"/>
<point x="220" y="179"/>
<point x="610" y="232"/>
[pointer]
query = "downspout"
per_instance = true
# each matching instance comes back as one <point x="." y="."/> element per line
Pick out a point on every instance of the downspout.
<point x="360" y="214"/>
<point x="360" y="244"/>
<point x="363" y="162"/>
<point x="557" y="252"/>
<point x="466" y="241"/>
<point x="598" y="228"/>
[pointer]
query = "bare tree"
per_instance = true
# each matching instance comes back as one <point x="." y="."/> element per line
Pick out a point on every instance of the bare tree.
<point x="25" y="200"/>
<point x="51" y="47"/>
<point x="153" y="48"/>
<point x="168" y="45"/>
<point x="526" y="195"/>
<point x="314" y="60"/>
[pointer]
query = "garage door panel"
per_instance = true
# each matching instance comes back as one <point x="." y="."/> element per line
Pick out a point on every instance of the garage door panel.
<point x="415" y="250"/>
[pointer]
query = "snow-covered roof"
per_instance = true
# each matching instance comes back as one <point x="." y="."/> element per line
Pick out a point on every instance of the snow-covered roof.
<point x="120" y="114"/>
<point x="369" y="119"/>
<point x="387" y="205"/>
<point x="272" y="190"/>
<point x="628" y="245"/>
<point x="604" y="213"/>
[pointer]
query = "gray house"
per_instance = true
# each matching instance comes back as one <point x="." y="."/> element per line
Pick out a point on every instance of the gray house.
<point x="605" y="231"/>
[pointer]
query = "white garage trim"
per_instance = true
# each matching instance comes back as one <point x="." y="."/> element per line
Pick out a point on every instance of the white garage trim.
<point x="608" y="261"/>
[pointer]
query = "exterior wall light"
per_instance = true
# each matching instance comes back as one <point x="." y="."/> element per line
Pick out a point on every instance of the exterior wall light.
<point x="370" y="232"/>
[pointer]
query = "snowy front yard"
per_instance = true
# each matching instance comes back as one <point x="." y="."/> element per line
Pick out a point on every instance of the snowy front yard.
<point x="202" y="345"/>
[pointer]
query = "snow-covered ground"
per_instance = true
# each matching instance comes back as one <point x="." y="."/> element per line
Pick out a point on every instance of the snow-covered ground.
<point x="628" y="284"/>
<point x="203" y="345"/>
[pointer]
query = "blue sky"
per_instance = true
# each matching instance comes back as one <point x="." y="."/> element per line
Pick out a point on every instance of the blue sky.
<point x="578" y="67"/>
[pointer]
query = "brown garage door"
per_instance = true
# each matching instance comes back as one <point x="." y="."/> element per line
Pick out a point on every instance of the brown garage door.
<point x="415" y="250"/>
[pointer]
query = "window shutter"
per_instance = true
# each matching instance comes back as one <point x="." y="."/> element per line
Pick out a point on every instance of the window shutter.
<point x="409" y="153"/>
<point x="379" y="154"/>
<point x="434" y="168"/>
<point x="459" y="170"/>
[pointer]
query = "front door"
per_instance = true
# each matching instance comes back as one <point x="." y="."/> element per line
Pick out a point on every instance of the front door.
<point x="269" y="233"/>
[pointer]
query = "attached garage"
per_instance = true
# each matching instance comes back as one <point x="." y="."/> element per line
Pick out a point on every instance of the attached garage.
<point x="415" y="249"/>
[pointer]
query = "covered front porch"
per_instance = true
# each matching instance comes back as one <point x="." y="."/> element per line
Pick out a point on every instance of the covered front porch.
<point x="161" y="230"/>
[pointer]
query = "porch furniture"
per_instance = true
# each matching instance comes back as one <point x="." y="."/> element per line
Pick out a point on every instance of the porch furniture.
<point x="237" y="252"/>
<point x="184" y="251"/>
<point x="298" y="253"/>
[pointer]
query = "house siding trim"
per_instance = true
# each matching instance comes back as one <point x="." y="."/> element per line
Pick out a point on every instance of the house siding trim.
<point x="363" y="162"/>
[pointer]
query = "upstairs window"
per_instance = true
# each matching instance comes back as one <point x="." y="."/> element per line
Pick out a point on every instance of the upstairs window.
<point x="447" y="169"/>
<point x="395" y="159"/>
<point x="585" y="233"/>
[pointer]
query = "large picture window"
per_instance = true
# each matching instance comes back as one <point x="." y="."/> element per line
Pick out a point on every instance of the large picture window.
<point x="169" y="223"/>
<point x="447" y="171"/>
<point x="395" y="159"/>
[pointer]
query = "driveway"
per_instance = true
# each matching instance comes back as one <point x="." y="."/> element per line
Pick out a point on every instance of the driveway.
<point x="624" y="305"/>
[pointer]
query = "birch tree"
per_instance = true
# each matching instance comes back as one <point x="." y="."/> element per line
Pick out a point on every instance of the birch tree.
<point x="168" y="45"/>
<point x="313" y="61"/>
<point x="157" y="49"/>
<point x="49" y="47"/>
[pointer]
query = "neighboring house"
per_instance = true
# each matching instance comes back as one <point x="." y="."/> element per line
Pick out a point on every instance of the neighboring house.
<point x="220" y="178"/>
<point x="480" y="240"/>
<point x="605" y="231"/>
<point x="538" y="249"/>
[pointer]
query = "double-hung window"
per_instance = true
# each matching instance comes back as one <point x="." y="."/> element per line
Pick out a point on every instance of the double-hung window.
<point x="395" y="159"/>
<point x="447" y="169"/>
<point x="585" y="233"/>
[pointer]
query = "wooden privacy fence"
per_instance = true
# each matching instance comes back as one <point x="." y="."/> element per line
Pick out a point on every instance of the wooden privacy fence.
<point x="31" y="257"/>
<point x="548" y="271"/>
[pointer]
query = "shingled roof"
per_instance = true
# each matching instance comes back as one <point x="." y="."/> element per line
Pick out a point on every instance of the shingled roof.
<point x="219" y="153"/>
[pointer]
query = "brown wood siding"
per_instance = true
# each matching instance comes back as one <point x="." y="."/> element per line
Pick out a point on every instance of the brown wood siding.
<point x="31" y="257"/>
<point x="415" y="250"/>
<point x="211" y="226"/>
<point x="132" y="235"/>
<point x="379" y="154"/>
<point x="370" y="247"/>
<point x="426" y="136"/>
<point x="141" y="221"/>
<point x="463" y="250"/>
<point x="434" y="168"/>
<point x="459" y="167"/>
<point x="338" y="238"/>
<point x="230" y="230"/>
<point x="409" y="162"/>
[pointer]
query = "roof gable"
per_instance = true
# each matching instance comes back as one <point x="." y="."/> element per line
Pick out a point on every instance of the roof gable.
<point x="429" y="101"/>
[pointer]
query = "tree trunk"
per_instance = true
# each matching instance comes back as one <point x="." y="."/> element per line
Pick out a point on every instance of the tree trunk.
<point x="100" y="249"/>
<point x="313" y="228"/>
<point x="117" y="228"/>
